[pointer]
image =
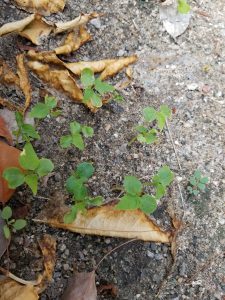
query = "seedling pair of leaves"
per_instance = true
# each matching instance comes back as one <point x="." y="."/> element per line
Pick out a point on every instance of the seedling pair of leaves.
<point x="75" y="138"/>
<point x="95" y="89"/>
<point x="75" y="185"/>
<point x="183" y="7"/>
<point x="42" y="110"/>
<point x="33" y="169"/>
<point x="135" y="197"/>
<point x="11" y="225"/>
<point x="197" y="183"/>
<point x="149" y="135"/>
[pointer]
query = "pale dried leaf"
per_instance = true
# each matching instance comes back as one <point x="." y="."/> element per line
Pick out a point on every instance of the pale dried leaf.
<point x="75" y="23"/>
<point x="16" y="26"/>
<point x="81" y="287"/>
<point x="45" y="7"/>
<point x="59" y="79"/>
<point x="174" y="22"/>
<point x="108" y="221"/>
<point x="11" y="290"/>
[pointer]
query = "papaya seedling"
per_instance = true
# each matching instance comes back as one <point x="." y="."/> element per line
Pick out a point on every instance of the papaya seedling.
<point x="95" y="89"/>
<point x="197" y="183"/>
<point x="75" y="138"/>
<point x="183" y="7"/>
<point x="147" y="134"/>
<point x="33" y="169"/>
<point x="134" y="196"/>
<point x="11" y="224"/>
<point x="42" y="110"/>
<point x="75" y="186"/>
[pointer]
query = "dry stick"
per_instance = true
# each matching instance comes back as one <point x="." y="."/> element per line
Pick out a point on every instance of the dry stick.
<point x="20" y="280"/>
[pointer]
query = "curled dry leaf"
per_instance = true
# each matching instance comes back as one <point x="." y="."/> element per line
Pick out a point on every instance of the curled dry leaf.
<point x="16" y="26"/>
<point x="81" y="287"/>
<point x="45" y="7"/>
<point x="108" y="221"/>
<point x="44" y="57"/>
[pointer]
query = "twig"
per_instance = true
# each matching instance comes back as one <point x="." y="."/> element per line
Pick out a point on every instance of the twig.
<point x="20" y="280"/>
<point x="174" y="148"/>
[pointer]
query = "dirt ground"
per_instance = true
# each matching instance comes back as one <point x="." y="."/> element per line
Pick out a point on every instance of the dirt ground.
<point x="187" y="74"/>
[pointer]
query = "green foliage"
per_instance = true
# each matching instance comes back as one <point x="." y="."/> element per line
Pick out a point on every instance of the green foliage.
<point x="183" y="7"/>
<point x="148" y="135"/>
<point x="33" y="169"/>
<point x="95" y="89"/>
<point x="75" y="186"/>
<point x="11" y="224"/>
<point x="75" y="138"/>
<point x="42" y="110"/>
<point x="197" y="183"/>
<point x="134" y="196"/>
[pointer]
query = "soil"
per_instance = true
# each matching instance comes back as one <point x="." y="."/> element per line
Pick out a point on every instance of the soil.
<point x="187" y="74"/>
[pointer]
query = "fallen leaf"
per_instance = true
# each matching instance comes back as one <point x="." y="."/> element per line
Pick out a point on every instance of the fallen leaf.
<point x="174" y="22"/>
<point x="45" y="7"/>
<point x="7" y="76"/>
<point x="107" y="221"/>
<point x="4" y="131"/>
<point x="10" y="105"/>
<point x="11" y="290"/>
<point x="4" y="243"/>
<point x="109" y="289"/>
<point x="16" y="26"/>
<point x="74" y="41"/>
<point x="81" y="287"/>
<point x="44" y="57"/>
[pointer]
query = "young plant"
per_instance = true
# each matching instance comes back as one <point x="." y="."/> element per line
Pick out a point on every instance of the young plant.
<point x="183" y="7"/>
<point x="134" y="196"/>
<point x="33" y="169"/>
<point x="149" y="135"/>
<point x="197" y="183"/>
<point x="95" y="89"/>
<point x="42" y="110"/>
<point x="26" y="131"/>
<point x="11" y="224"/>
<point x="75" y="185"/>
<point x="75" y="138"/>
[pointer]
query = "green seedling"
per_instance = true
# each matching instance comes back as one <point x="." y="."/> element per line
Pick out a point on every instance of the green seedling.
<point x="75" y="185"/>
<point x="95" y="89"/>
<point x="134" y="196"/>
<point x="197" y="183"/>
<point x="33" y="169"/>
<point x="42" y="110"/>
<point x="26" y="131"/>
<point x="183" y="7"/>
<point x="11" y="224"/>
<point x="76" y="137"/>
<point x="147" y="134"/>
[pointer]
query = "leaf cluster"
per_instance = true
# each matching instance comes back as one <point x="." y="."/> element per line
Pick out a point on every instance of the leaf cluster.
<point x="75" y="137"/>
<point x="42" y="110"/>
<point x="197" y="183"/>
<point x="149" y="135"/>
<point x="135" y="197"/>
<point x="33" y="169"/>
<point x="75" y="185"/>
<point x="12" y="224"/>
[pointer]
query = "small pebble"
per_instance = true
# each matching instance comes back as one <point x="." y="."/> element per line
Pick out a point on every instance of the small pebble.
<point x="96" y="23"/>
<point x="66" y="267"/>
<point x="192" y="86"/>
<point x="62" y="248"/>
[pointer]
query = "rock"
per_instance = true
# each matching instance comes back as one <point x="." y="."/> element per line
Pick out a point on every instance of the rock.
<point x="96" y="23"/>
<point x="150" y="254"/>
<point x="192" y="86"/>
<point x="121" y="52"/>
<point x="66" y="267"/>
<point x="62" y="248"/>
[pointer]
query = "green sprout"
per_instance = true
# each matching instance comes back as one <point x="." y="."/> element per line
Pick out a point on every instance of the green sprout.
<point x="183" y="7"/>
<point x="11" y="224"/>
<point x="197" y="183"/>
<point x="42" y="110"/>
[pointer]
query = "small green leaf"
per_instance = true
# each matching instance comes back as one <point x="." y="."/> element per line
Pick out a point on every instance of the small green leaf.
<point x="51" y="102"/>
<point x="148" y="204"/>
<point x="164" y="176"/>
<point x="149" y="114"/>
<point x="19" y="118"/>
<point x="87" y="77"/>
<point x="69" y="217"/>
<point x="14" y="177"/>
<point x="165" y="110"/>
<point x="141" y="138"/>
<point x="141" y="129"/>
<point x="189" y="188"/>
<point x="197" y="174"/>
<point x="161" y="120"/>
<point x="70" y="183"/>
<point x="55" y="113"/>
<point x="195" y="192"/>
<point x="78" y="141"/>
<point x="28" y="158"/>
<point x="132" y="185"/>
<point x="65" y="141"/>
<point x="6" y="213"/>
<point x="193" y="181"/>
<point x="96" y="201"/>
<point x="88" y="94"/>
<point x="160" y="191"/>
<point x="201" y="186"/>
<point x="204" y="180"/>
<point x="75" y="127"/>
<point x="150" y="137"/>
<point x="103" y="87"/>
<point x="183" y="7"/>
<point x="19" y="224"/>
<point x="6" y="232"/>
<point x="80" y="191"/>
<point x="85" y="170"/>
<point x="45" y="167"/>
<point x="128" y="202"/>
<point x="32" y="181"/>
<point x="29" y="131"/>
<point x="87" y="131"/>
<point x="117" y="97"/>
<point x="96" y="100"/>
<point x="39" y="111"/>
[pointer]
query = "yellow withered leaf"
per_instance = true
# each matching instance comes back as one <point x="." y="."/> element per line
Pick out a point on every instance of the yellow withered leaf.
<point x="45" y="7"/>
<point x="59" y="79"/>
<point x="11" y="290"/>
<point x="107" y="221"/>
<point x="16" y="26"/>
<point x="74" y="41"/>
<point x="44" y="57"/>
<point x="7" y="76"/>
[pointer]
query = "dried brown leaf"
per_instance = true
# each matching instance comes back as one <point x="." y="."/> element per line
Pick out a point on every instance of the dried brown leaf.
<point x="44" y="57"/>
<point x="10" y="105"/>
<point x="4" y="131"/>
<point x="107" y="221"/>
<point x="81" y="287"/>
<point x="7" y="76"/>
<point x="16" y="26"/>
<point x="45" y="7"/>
